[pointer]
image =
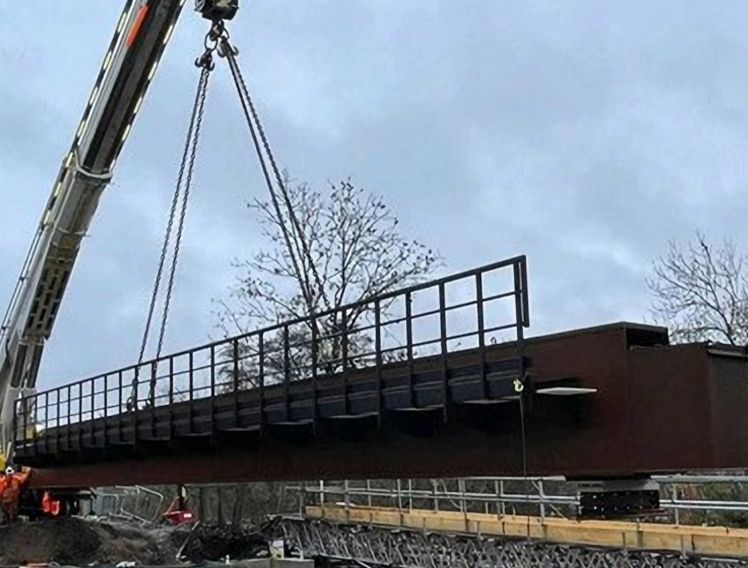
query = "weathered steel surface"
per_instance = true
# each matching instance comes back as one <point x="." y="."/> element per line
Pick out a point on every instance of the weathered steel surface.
<point x="657" y="408"/>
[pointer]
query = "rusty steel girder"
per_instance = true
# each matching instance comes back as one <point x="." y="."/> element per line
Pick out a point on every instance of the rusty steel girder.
<point x="608" y="402"/>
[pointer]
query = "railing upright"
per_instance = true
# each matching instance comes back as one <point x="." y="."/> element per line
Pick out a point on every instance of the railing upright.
<point x="152" y="396"/>
<point x="287" y="372"/>
<point x="212" y="372"/>
<point x="192" y="392"/>
<point x="443" y="347"/>
<point x="409" y="348"/>
<point x="381" y="403"/>
<point x="46" y="421"/>
<point x="120" y="412"/>
<point x="236" y="380"/>
<point x="80" y="416"/>
<point x="344" y="357"/>
<point x="315" y="362"/>
<point x="171" y="397"/>
<point x="58" y="430"/>
<point x="261" y="365"/>
<point x="479" y="306"/>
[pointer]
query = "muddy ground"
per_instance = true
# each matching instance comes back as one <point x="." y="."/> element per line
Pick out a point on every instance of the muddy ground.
<point x="81" y="542"/>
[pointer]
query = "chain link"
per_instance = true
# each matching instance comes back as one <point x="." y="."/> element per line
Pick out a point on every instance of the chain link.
<point x="229" y="52"/>
<point x="182" y="190"/>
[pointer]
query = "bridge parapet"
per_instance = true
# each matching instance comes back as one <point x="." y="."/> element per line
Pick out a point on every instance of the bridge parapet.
<point x="349" y="363"/>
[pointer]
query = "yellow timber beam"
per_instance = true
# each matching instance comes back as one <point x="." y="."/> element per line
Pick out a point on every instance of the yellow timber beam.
<point x="720" y="541"/>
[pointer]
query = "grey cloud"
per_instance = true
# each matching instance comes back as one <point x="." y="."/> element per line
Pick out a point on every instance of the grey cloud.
<point x="581" y="133"/>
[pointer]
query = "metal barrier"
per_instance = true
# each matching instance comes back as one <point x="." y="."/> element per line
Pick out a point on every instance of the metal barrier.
<point x="382" y="546"/>
<point x="541" y="496"/>
<point x="138" y="504"/>
<point x="469" y="310"/>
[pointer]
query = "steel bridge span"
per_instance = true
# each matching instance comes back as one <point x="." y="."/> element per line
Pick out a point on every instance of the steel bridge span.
<point x="436" y="380"/>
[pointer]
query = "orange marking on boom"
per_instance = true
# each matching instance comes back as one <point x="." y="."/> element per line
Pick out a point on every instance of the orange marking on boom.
<point x="137" y="24"/>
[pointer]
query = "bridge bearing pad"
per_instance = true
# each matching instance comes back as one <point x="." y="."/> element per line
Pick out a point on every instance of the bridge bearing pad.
<point x="616" y="499"/>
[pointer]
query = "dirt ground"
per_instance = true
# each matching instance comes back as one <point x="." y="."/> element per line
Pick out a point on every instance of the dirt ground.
<point x="82" y="542"/>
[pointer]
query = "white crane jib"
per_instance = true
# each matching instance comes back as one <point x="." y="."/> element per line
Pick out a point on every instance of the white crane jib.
<point x="142" y="33"/>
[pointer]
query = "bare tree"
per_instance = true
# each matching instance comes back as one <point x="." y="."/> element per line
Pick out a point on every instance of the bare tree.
<point x="701" y="292"/>
<point x="349" y="249"/>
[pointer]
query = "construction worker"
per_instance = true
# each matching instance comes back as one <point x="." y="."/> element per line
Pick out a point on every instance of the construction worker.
<point x="10" y="494"/>
<point x="50" y="507"/>
<point x="3" y="483"/>
<point x="178" y="513"/>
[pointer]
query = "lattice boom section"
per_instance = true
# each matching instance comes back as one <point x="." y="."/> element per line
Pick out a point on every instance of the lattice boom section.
<point x="410" y="549"/>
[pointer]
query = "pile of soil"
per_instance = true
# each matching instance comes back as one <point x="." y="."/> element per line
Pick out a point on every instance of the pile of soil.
<point x="81" y="542"/>
<point x="215" y="542"/>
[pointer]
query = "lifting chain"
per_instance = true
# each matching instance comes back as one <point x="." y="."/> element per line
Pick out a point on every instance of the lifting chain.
<point x="180" y="200"/>
<point x="265" y="157"/>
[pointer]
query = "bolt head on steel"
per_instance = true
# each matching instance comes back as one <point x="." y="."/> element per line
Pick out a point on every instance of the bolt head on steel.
<point x="217" y="9"/>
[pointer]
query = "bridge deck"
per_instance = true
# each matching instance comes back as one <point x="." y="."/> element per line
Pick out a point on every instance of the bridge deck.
<point x="335" y="396"/>
<point x="644" y="409"/>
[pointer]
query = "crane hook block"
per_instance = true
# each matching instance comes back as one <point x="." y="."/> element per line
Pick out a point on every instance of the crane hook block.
<point x="217" y="9"/>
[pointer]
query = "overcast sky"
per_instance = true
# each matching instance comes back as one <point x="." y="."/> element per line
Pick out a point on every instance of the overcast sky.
<point x="581" y="133"/>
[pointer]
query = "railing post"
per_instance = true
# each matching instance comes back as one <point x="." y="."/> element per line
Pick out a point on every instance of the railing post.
<point x="135" y="401"/>
<point x="541" y="495"/>
<point x="80" y="415"/>
<point x="261" y="364"/>
<point x="24" y="410"/>
<point x="152" y="396"/>
<point x="346" y="500"/>
<point x="236" y="377"/>
<point x="435" y="496"/>
<point x="69" y="417"/>
<point x="399" y="496"/>
<point x="93" y="412"/>
<point x="58" y="434"/>
<point x="444" y="347"/>
<point x="14" y="426"/>
<point x="315" y="356"/>
<point x="481" y="334"/>
<point x="119" y="407"/>
<point x="46" y="422"/>
<point x="409" y="346"/>
<point x="212" y="388"/>
<point x="344" y="357"/>
<point x="322" y="496"/>
<point x="379" y="363"/>
<point x="106" y="402"/>
<point x="287" y="372"/>
<point x="519" y="300"/>
<point x="520" y="307"/>
<point x="171" y="397"/>
<point x="153" y="385"/>
<point x="192" y="392"/>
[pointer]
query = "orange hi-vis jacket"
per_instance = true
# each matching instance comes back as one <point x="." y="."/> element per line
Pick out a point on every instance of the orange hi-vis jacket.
<point x="50" y="506"/>
<point x="10" y="487"/>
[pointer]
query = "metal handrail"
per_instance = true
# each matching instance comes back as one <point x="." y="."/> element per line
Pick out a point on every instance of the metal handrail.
<point x="271" y="355"/>
<point x="402" y="494"/>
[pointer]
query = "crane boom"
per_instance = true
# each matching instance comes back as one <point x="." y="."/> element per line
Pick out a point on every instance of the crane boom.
<point x="142" y="33"/>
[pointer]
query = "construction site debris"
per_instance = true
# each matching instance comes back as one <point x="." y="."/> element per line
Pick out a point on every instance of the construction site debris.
<point x="83" y="542"/>
<point x="217" y="542"/>
<point x="80" y="542"/>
